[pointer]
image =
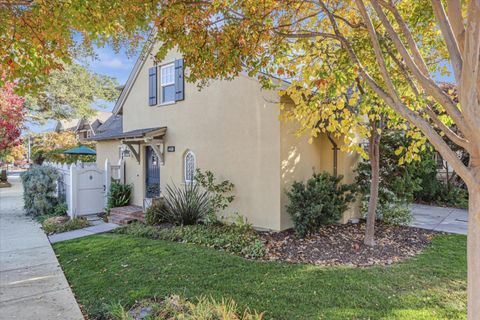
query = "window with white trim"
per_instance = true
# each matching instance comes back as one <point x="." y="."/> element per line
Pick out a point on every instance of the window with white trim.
<point x="189" y="165"/>
<point x="167" y="82"/>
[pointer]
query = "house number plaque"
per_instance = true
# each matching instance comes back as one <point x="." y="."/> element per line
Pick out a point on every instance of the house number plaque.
<point x="171" y="148"/>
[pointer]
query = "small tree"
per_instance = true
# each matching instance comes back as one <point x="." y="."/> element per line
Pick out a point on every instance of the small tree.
<point x="49" y="146"/>
<point x="11" y="117"/>
<point x="70" y="93"/>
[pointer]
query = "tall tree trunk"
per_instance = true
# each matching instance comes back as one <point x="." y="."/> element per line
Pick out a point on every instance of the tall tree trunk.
<point x="473" y="246"/>
<point x="374" y="154"/>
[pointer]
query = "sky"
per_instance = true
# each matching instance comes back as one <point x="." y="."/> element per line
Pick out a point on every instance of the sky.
<point x="107" y="62"/>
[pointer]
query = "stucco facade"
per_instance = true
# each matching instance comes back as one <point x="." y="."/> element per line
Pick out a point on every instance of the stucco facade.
<point x="233" y="129"/>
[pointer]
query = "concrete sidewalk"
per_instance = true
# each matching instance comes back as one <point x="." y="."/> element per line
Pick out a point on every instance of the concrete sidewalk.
<point x="96" y="228"/>
<point x="439" y="219"/>
<point x="32" y="284"/>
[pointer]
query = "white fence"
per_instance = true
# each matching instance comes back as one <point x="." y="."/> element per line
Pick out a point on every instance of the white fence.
<point x="84" y="186"/>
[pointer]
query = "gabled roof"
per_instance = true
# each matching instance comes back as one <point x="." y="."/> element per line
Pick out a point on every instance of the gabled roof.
<point x="67" y="124"/>
<point x="134" y="73"/>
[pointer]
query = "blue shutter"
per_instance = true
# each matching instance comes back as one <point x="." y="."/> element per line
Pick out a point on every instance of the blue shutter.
<point x="179" y="81"/>
<point x="152" y="86"/>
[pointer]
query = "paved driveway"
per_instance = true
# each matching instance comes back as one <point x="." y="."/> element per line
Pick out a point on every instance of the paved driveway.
<point x="440" y="219"/>
<point x="32" y="285"/>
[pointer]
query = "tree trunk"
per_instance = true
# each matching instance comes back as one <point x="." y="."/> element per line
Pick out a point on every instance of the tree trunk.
<point x="473" y="250"/>
<point x="374" y="154"/>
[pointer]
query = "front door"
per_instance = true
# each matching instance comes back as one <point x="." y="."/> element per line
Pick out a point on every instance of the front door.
<point x="153" y="174"/>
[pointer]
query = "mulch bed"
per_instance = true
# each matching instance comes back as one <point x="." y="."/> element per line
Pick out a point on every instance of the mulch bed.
<point x="343" y="245"/>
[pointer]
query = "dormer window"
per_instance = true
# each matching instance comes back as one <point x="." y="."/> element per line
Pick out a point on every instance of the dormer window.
<point x="167" y="83"/>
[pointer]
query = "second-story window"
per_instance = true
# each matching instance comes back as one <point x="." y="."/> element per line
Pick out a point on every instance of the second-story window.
<point x="167" y="83"/>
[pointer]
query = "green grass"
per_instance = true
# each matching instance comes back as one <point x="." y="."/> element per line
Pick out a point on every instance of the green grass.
<point x="111" y="268"/>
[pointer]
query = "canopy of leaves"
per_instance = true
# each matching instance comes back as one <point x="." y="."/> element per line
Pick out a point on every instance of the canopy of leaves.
<point x="70" y="93"/>
<point x="11" y="117"/>
<point x="49" y="146"/>
<point x="39" y="36"/>
<point x="295" y="40"/>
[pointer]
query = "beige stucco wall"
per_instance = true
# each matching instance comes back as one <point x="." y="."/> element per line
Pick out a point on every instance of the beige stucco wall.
<point x="232" y="128"/>
<point x="300" y="159"/>
<point x="107" y="149"/>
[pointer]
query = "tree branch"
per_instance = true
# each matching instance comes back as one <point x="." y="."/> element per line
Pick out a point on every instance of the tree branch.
<point x="410" y="41"/>
<point x="426" y="82"/>
<point x="450" y="40"/>
<point x="396" y="104"/>
<point x="455" y="17"/>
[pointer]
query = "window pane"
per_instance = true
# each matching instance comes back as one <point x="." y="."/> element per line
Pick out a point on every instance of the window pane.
<point x="168" y="93"/>
<point x="168" y="74"/>
<point x="189" y="167"/>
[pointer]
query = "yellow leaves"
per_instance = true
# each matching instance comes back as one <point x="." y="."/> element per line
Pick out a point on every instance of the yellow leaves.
<point x="399" y="150"/>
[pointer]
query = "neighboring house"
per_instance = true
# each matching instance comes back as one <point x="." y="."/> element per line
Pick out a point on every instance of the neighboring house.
<point x="84" y="127"/>
<point x="165" y="129"/>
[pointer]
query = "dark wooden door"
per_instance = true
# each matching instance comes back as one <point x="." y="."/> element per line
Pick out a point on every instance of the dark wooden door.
<point x="153" y="174"/>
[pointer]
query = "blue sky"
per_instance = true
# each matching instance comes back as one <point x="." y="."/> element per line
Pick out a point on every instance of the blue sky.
<point x="117" y="65"/>
<point x="107" y="62"/>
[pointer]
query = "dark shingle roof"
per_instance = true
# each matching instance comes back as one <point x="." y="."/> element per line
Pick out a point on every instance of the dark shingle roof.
<point x="109" y="129"/>
<point x="112" y="129"/>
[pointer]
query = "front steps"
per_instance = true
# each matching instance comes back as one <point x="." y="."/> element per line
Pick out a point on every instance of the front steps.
<point x="126" y="215"/>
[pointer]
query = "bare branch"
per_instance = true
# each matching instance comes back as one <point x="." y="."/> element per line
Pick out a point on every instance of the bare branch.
<point x="396" y="104"/>
<point x="426" y="82"/>
<point x="455" y="138"/>
<point x="450" y="40"/>
<point x="408" y="35"/>
<point x="455" y="17"/>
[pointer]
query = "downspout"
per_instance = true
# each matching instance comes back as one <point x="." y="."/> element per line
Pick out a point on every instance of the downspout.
<point x="335" y="153"/>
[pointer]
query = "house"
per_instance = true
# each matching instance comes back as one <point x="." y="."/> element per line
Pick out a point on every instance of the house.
<point x="165" y="129"/>
<point x="84" y="127"/>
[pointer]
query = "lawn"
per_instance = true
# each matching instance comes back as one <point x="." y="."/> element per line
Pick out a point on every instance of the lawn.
<point x="111" y="268"/>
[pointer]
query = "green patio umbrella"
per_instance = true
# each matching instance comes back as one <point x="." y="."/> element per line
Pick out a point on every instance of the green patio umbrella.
<point x="81" y="150"/>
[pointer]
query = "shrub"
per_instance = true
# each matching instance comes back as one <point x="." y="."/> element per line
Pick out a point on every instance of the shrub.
<point x="390" y="209"/>
<point x="59" y="210"/>
<point x="175" y="307"/>
<point x="40" y="190"/>
<point x="240" y="240"/>
<point x="218" y="193"/>
<point x="53" y="225"/>
<point x="186" y="205"/>
<point x="321" y="200"/>
<point x="155" y="214"/>
<point x="119" y="195"/>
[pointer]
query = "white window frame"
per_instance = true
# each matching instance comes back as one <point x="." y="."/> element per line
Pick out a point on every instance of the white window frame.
<point x="166" y="84"/>
<point x="185" y="166"/>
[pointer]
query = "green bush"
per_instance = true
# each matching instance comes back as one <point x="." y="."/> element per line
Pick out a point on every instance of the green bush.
<point x="59" y="210"/>
<point x="40" y="190"/>
<point x="390" y="209"/>
<point x="241" y="240"/>
<point x="155" y="214"/>
<point x="185" y="205"/>
<point x="321" y="200"/>
<point x="403" y="184"/>
<point x="219" y="193"/>
<point x="119" y="195"/>
<point x="50" y="226"/>
<point x="174" y="307"/>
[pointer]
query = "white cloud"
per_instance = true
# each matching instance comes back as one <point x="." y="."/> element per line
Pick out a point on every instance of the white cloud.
<point x="113" y="63"/>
